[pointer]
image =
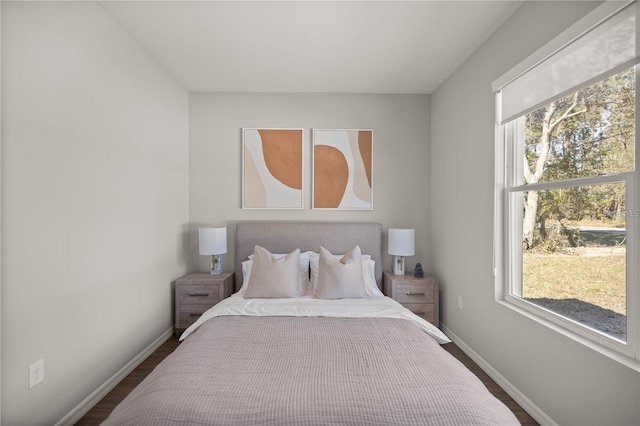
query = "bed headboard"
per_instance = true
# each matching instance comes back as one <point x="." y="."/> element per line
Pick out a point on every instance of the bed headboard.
<point x="284" y="237"/>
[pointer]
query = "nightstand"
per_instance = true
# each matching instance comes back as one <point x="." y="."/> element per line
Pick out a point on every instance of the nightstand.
<point x="419" y="295"/>
<point x="196" y="292"/>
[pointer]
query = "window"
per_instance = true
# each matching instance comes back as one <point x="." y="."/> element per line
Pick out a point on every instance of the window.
<point x="567" y="185"/>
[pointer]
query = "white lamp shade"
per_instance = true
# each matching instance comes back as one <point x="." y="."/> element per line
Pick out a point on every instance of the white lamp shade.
<point x="212" y="240"/>
<point x="402" y="242"/>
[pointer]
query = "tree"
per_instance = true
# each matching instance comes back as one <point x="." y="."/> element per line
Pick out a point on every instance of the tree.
<point x="552" y="117"/>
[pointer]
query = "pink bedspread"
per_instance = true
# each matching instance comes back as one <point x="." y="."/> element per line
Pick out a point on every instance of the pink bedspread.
<point x="240" y="370"/>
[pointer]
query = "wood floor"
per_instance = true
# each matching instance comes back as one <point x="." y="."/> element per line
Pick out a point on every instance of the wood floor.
<point x="102" y="410"/>
<point x="523" y="417"/>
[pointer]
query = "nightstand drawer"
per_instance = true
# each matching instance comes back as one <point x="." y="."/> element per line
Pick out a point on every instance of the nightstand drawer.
<point x="190" y="313"/>
<point x="414" y="293"/>
<point x="199" y="294"/>
<point x="424" y="310"/>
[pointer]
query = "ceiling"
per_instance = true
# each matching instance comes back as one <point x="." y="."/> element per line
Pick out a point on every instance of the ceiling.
<point x="311" y="46"/>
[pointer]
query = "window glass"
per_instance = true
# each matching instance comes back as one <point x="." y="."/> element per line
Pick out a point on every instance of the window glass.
<point x="568" y="225"/>
<point x="577" y="266"/>
<point x="586" y="133"/>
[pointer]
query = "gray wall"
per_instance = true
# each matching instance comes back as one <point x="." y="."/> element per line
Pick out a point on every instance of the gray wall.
<point x="94" y="203"/>
<point x="570" y="383"/>
<point x="401" y="129"/>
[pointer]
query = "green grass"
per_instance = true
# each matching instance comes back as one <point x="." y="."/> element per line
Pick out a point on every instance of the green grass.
<point x="595" y="280"/>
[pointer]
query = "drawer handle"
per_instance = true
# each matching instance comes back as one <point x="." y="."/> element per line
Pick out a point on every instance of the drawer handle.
<point x="194" y="315"/>
<point x="419" y="313"/>
<point x="198" y="294"/>
<point x="414" y="294"/>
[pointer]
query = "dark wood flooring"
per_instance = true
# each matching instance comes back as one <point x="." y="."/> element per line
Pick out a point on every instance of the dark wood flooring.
<point x="523" y="417"/>
<point x="102" y="410"/>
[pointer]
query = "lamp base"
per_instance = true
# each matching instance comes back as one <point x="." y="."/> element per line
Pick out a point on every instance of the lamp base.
<point x="398" y="265"/>
<point x="216" y="264"/>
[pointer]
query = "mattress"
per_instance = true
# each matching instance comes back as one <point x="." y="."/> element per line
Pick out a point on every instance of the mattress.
<point x="311" y="362"/>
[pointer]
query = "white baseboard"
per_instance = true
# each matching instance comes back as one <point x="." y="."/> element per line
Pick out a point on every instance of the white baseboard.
<point x="83" y="408"/>
<point x="533" y="410"/>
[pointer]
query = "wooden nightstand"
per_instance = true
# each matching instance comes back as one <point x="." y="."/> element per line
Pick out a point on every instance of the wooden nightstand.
<point x="419" y="295"/>
<point x="196" y="292"/>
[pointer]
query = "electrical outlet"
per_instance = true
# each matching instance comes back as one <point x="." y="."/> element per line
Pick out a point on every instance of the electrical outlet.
<point x="460" y="302"/>
<point x="36" y="373"/>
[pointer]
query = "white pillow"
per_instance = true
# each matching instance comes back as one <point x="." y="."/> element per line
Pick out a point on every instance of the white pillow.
<point x="340" y="278"/>
<point x="304" y="285"/>
<point x="273" y="277"/>
<point x="246" y="274"/>
<point x="368" y="273"/>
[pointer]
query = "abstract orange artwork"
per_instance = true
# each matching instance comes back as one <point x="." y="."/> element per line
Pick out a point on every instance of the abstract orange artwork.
<point x="272" y="169"/>
<point x="342" y="169"/>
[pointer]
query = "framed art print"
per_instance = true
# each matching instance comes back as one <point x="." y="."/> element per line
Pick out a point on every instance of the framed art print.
<point x="272" y="168"/>
<point x="342" y="169"/>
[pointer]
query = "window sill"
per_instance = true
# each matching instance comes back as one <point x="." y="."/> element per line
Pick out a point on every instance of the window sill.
<point x="625" y="358"/>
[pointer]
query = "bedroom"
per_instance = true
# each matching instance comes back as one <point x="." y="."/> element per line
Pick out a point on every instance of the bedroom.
<point x="117" y="164"/>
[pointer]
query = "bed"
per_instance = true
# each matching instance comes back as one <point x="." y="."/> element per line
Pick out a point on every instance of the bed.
<point x="313" y="357"/>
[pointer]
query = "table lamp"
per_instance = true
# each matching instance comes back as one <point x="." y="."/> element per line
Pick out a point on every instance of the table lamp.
<point x="402" y="242"/>
<point x="213" y="242"/>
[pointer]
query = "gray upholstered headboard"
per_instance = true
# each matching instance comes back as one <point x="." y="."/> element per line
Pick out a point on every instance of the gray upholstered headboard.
<point x="284" y="237"/>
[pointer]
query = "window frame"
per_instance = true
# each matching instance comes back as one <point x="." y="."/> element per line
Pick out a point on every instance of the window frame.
<point x="510" y="187"/>
<point x="506" y="250"/>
